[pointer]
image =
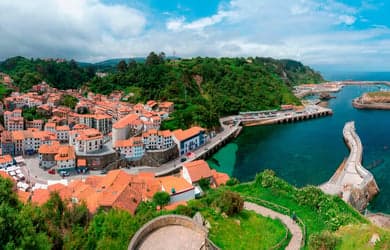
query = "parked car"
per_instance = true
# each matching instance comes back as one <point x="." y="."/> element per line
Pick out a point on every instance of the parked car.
<point x="51" y="171"/>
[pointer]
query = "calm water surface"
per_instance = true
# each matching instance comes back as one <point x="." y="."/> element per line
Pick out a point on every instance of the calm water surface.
<point x="309" y="152"/>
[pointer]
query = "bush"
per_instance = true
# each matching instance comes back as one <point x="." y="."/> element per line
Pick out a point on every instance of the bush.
<point x="323" y="241"/>
<point x="232" y="182"/>
<point x="204" y="184"/>
<point x="230" y="203"/>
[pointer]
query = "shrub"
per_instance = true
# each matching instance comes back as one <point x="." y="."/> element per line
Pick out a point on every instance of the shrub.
<point x="323" y="241"/>
<point x="232" y="182"/>
<point x="230" y="203"/>
<point x="204" y="184"/>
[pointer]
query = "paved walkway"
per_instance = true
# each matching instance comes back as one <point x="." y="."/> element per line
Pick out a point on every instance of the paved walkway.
<point x="295" y="230"/>
<point x="172" y="237"/>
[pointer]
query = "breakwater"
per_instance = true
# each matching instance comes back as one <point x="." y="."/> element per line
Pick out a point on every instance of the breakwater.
<point x="351" y="181"/>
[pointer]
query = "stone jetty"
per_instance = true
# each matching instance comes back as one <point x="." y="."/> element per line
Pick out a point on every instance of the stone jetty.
<point x="352" y="182"/>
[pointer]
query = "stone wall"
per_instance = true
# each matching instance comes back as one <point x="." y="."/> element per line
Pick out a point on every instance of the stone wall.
<point x="166" y="220"/>
<point x="156" y="158"/>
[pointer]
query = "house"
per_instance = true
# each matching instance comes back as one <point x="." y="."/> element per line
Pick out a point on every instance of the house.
<point x="65" y="158"/>
<point x="37" y="124"/>
<point x="189" y="139"/>
<point x="219" y="178"/>
<point x="166" y="107"/>
<point x="177" y="188"/>
<point x="194" y="171"/>
<point x="132" y="149"/>
<point x="62" y="133"/>
<point x="51" y="127"/>
<point x="101" y="122"/>
<point x="157" y="140"/>
<point x="7" y="144"/>
<point x="6" y="161"/>
<point x="125" y="127"/>
<point x="47" y="155"/>
<point x="13" y="121"/>
<point x="87" y="141"/>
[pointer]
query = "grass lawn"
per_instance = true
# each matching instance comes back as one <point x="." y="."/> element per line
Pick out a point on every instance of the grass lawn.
<point x="315" y="221"/>
<point x="246" y="230"/>
<point x="358" y="237"/>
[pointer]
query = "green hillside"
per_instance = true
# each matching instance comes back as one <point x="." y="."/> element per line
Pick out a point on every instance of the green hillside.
<point x="205" y="89"/>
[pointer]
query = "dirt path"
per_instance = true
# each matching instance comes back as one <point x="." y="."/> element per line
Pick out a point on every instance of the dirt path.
<point x="293" y="227"/>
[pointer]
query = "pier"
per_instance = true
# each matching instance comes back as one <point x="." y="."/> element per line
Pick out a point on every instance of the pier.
<point x="279" y="117"/>
<point x="351" y="181"/>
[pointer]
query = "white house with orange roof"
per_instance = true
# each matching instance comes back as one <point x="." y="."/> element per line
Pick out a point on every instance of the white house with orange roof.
<point x="166" y="107"/>
<point x="13" y="120"/>
<point x="177" y="188"/>
<point x="50" y="126"/>
<point x="122" y="129"/>
<point x="194" y="171"/>
<point x="5" y="161"/>
<point x="47" y="155"/>
<point x="131" y="149"/>
<point x="66" y="158"/>
<point x="157" y="140"/>
<point x="88" y="140"/>
<point x="37" y="124"/>
<point x="189" y="139"/>
<point x="62" y="133"/>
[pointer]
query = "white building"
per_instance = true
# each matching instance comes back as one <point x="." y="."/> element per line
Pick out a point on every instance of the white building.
<point x="88" y="140"/>
<point x="190" y="139"/>
<point x="66" y="158"/>
<point x="5" y="161"/>
<point x="132" y="149"/>
<point x="157" y="140"/>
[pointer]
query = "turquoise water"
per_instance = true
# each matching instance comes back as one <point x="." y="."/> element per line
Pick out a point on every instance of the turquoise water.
<point x="309" y="152"/>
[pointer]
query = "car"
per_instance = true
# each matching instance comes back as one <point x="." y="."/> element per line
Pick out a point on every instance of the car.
<point x="104" y="171"/>
<point x="64" y="173"/>
<point x="51" y="171"/>
<point x="183" y="159"/>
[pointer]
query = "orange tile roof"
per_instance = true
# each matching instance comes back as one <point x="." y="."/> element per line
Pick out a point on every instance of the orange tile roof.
<point x="81" y="162"/>
<point x="61" y="189"/>
<point x="17" y="135"/>
<point x="5" y="159"/>
<point x="166" y="104"/>
<point x="173" y="183"/>
<point x="49" y="149"/>
<point x="62" y="128"/>
<point x="5" y="175"/>
<point x="125" y="121"/>
<point x="40" y="196"/>
<point x="89" y="134"/>
<point x="65" y="153"/>
<point x="80" y="126"/>
<point x="132" y="142"/>
<point x="23" y="196"/>
<point x="183" y="135"/>
<point x="174" y="205"/>
<point x="220" y="178"/>
<point x="198" y="170"/>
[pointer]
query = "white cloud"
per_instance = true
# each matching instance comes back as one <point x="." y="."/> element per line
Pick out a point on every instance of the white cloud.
<point x="316" y="32"/>
<point x="64" y="28"/>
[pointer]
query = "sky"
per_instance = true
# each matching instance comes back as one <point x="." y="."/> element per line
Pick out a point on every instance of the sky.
<point x="351" y="35"/>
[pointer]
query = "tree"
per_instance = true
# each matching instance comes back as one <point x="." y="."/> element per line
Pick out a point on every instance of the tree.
<point x="230" y="203"/>
<point x="69" y="101"/>
<point x="204" y="184"/>
<point x="161" y="199"/>
<point x="122" y="66"/>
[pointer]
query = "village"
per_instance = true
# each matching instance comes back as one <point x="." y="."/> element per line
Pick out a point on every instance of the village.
<point x="88" y="153"/>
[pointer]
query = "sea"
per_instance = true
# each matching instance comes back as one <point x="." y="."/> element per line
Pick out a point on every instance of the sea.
<point x="308" y="152"/>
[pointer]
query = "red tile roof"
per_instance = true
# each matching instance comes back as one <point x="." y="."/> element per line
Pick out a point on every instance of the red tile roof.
<point x="198" y="170"/>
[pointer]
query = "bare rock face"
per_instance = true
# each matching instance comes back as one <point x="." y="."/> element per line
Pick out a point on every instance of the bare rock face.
<point x="360" y="197"/>
<point x="377" y="97"/>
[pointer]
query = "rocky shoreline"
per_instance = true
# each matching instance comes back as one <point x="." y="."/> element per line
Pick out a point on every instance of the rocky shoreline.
<point x="373" y="100"/>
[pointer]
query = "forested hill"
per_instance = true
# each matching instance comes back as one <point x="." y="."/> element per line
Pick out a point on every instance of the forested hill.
<point x="58" y="73"/>
<point x="204" y="89"/>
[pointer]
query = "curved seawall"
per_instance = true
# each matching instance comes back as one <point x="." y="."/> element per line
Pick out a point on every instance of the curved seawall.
<point x="351" y="181"/>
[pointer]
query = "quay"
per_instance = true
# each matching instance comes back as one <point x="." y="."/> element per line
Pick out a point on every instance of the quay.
<point x="231" y="127"/>
<point x="351" y="181"/>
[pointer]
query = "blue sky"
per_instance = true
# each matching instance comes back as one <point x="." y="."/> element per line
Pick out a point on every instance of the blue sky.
<point x="349" y="35"/>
